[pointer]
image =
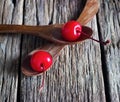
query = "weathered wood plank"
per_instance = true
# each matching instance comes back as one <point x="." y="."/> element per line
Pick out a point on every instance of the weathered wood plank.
<point x="77" y="73"/>
<point x="76" y="76"/>
<point x="9" y="51"/>
<point x="109" y="21"/>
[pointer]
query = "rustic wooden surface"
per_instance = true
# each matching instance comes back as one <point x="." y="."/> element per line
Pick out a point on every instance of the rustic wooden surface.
<point x="85" y="72"/>
<point x="109" y="28"/>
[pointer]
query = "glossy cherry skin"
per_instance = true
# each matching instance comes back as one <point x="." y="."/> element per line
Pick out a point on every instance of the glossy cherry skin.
<point x="71" y="31"/>
<point x="41" y="61"/>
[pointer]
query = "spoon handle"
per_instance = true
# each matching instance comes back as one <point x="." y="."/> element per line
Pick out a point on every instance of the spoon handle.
<point x="41" y="31"/>
<point x="91" y="8"/>
<point x="6" y="28"/>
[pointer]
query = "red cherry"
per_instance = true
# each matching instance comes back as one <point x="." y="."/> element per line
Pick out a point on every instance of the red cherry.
<point x="41" y="61"/>
<point x="71" y="31"/>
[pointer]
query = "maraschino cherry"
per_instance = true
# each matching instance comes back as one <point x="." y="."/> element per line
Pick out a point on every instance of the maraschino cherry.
<point x="72" y="31"/>
<point x="41" y="61"/>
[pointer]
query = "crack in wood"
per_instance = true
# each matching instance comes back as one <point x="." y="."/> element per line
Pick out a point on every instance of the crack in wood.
<point x="14" y="2"/>
<point x="104" y="66"/>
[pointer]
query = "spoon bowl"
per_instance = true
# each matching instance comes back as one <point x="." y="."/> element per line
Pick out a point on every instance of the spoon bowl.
<point x="52" y="48"/>
<point x="58" y="38"/>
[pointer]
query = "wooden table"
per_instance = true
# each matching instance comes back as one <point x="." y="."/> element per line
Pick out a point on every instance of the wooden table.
<point x="85" y="72"/>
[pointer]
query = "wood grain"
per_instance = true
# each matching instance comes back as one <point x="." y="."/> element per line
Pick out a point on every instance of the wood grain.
<point x="77" y="75"/>
<point x="9" y="52"/>
<point x="109" y="22"/>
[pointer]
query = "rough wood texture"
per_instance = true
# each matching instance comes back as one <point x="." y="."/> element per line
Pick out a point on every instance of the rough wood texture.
<point x="9" y="52"/>
<point x="109" y="23"/>
<point x="77" y="74"/>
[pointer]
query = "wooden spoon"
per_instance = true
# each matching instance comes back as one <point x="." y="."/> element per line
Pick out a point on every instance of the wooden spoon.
<point x="53" y="48"/>
<point x="53" y="32"/>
